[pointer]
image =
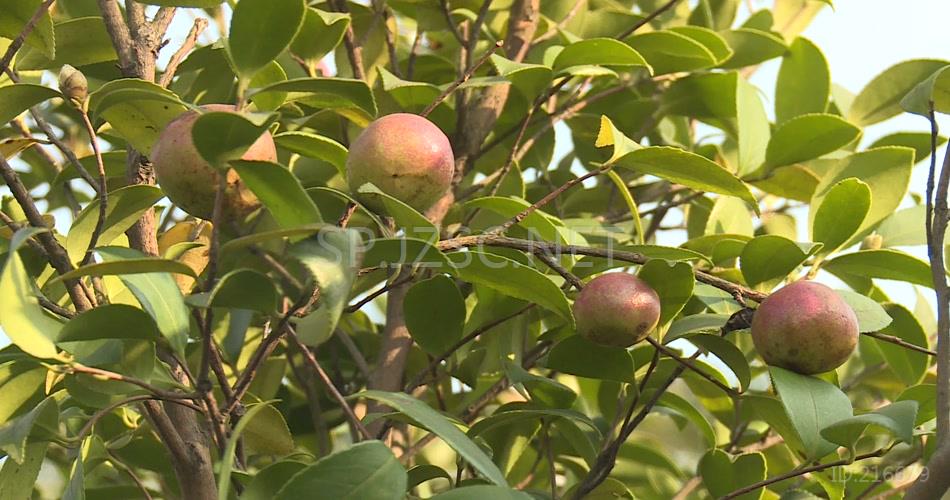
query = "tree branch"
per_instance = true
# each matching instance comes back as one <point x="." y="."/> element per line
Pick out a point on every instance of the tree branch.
<point x="646" y="20"/>
<point x="186" y="46"/>
<point x="25" y="32"/>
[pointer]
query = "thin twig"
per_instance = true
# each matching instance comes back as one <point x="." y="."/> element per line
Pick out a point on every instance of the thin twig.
<point x="459" y="81"/>
<point x="558" y="268"/>
<point x="353" y="49"/>
<point x="186" y="46"/>
<point x="900" y="342"/>
<point x="25" y="32"/>
<point x="547" y="198"/>
<point x="371" y="297"/>
<point x="91" y="423"/>
<point x="331" y="388"/>
<point x="103" y="190"/>
<point x="646" y="20"/>
<point x="118" y="377"/>
<point x="688" y="364"/>
<point x="446" y="13"/>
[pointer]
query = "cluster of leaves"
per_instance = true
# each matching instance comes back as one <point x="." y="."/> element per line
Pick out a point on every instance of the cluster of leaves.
<point x="761" y="202"/>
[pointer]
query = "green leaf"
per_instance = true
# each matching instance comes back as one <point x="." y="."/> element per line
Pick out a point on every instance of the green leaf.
<point x="840" y="214"/>
<point x="241" y="289"/>
<point x="670" y="52"/>
<point x="729" y="354"/>
<point x="392" y="252"/>
<point x="314" y="146"/>
<point x="137" y="110"/>
<point x="14" y="17"/>
<point x="711" y="40"/>
<point x="110" y="321"/>
<point x="722" y="474"/>
<point x="227" y="460"/>
<point x="42" y="420"/>
<point x="268" y="434"/>
<point x="537" y="221"/>
<point x="145" y="265"/>
<point x="271" y="73"/>
<point x="896" y="419"/>
<point x="932" y="92"/>
<point x="79" y="42"/>
<point x="333" y="258"/>
<point x="925" y="395"/>
<point x="17" y="98"/>
<point x="885" y="170"/>
<point x="280" y="191"/>
<point x="17" y="479"/>
<point x="483" y="491"/>
<point x="597" y="52"/>
<point x="75" y="485"/>
<point x="909" y="366"/>
<point x="689" y="169"/>
<point x="22" y="318"/>
<point x="918" y="141"/>
<point x="442" y="427"/>
<point x="511" y="278"/>
<point x="350" y="98"/>
<point x="413" y="96"/>
<point x="904" y="228"/>
<point x="688" y="326"/>
<point x="751" y="47"/>
<point x="871" y="315"/>
<point x="687" y="410"/>
<point x="883" y="264"/>
<point x="221" y="137"/>
<point x="881" y="98"/>
<point x="124" y="206"/>
<point x="770" y="257"/>
<point x="253" y="239"/>
<point x="421" y="473"/>
<point x="808" y="136"/>
<point x="578" y="356"/>
<point x="158" y="294"/>
<point x="409" y="219"/>
<point x="20" y="382"/>
<point x="270" y="479"/>
<point x="804" y="82"/>
<point x="321" y="32"/>
<point x="529" y="79"/>
<point x="673" y="283"/>
<point x="260" y="31"/>
<point x="435" y="314"/>
<point x="548" y="392"/>
<point x="753" y="125"/>
<point x="811" y="405"/>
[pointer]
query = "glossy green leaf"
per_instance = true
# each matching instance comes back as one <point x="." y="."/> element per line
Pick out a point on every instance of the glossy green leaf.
<point x="270" y="479"/>
<point x="351" y="98"/>
<point x="689" y="169"/>
<point x="934" y="92"/>
<point x="18" y="479"/>
<point x="669" y="51"/>
<point x="881" y="98"/>
<point x="680" y="405"/>
<point x="909" y="366"/>
<point x="722" y="474"/>
<point x="883" y="264"/>
<point x="260" y="31"/>
<point x="537" y="222"/>
<point x="871" y="315"/>
<point x="414" y="96"/>
<point x="391" y="252"/>
<point x="241" y="289"/>
<point x="220" y="137"/>
<point x="42" y="420"/>
<point x="753" y="126"/>
<point x="333" y="258"/>
<point x="271" y="73"/>
<point x="751" y="47"/>
<point x="268" y="434"/>
<point x="158" y="294"/>
<point x="711" y="40"/>
<point x="918" y="141"/>
<point x="770" y="257"/>
<point x="227" y="460"/>
<point x="808" y="136"/>
<point x="421" y="473"/>
<point x="598" y="52"/>
<point x="840" y="214"/>
<point x="409" y="219"/>
<point x="79" y="42"/>
<point x="22" y="318"/>
<point x="728" y="353"/>
<point x="688" y="326"/>
<point x="280" y="191"/>
<point x="578" y="356"/>
<point x="529" y="79"/>
<point x="261" y="237"/>
<point x="314" y="146"/>
<point x="729" y="216"/>
<point x="548" y="392"/>
<point x="435" y="314"/>
<point x="14" y="17"/>
<point x="897" y="419"/>
<point x="673" y="283"/>
<point x="15" y="99"/>
<point x="511" y="278"/>
<point x="442" y="427"/>
<point x="145" y="265"/>
<point x="137" y="110"/>
<point x="925" y="395"/>
<point x="124" y="206"/>
<point x="110" y="321"/>
<point x="321" y="32"/>
<point x="804" y="82"/>
<point x="811" y="405"/>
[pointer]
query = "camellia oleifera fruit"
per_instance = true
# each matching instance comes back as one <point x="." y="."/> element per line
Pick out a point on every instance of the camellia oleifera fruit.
<point x="404" y="155"/>
<point x="616" y="309"/>
<point x="805" y="327"/>
<point x="190" y="182"/>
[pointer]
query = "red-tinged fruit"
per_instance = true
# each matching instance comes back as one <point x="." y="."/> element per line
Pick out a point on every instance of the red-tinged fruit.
<point x="404" y="155"/>
<point x="617" y="310"/>
<point x="190" y="182"/>
<point x="805" y="327"/>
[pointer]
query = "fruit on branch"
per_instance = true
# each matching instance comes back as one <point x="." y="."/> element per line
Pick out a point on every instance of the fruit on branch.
<point x="195" y="258"/>
<point x="616" y="309"/>
<point x="190" y="182"/>
<point x="404" y="155"/>
<point x="805" y="327"/>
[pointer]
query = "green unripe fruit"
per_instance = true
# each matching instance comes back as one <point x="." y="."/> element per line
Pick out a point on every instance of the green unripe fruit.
<point x="406" y="156"/>
<point x="805" y="327"/>
<point x="191" y="183"/>
<point x="617" y="310"/>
